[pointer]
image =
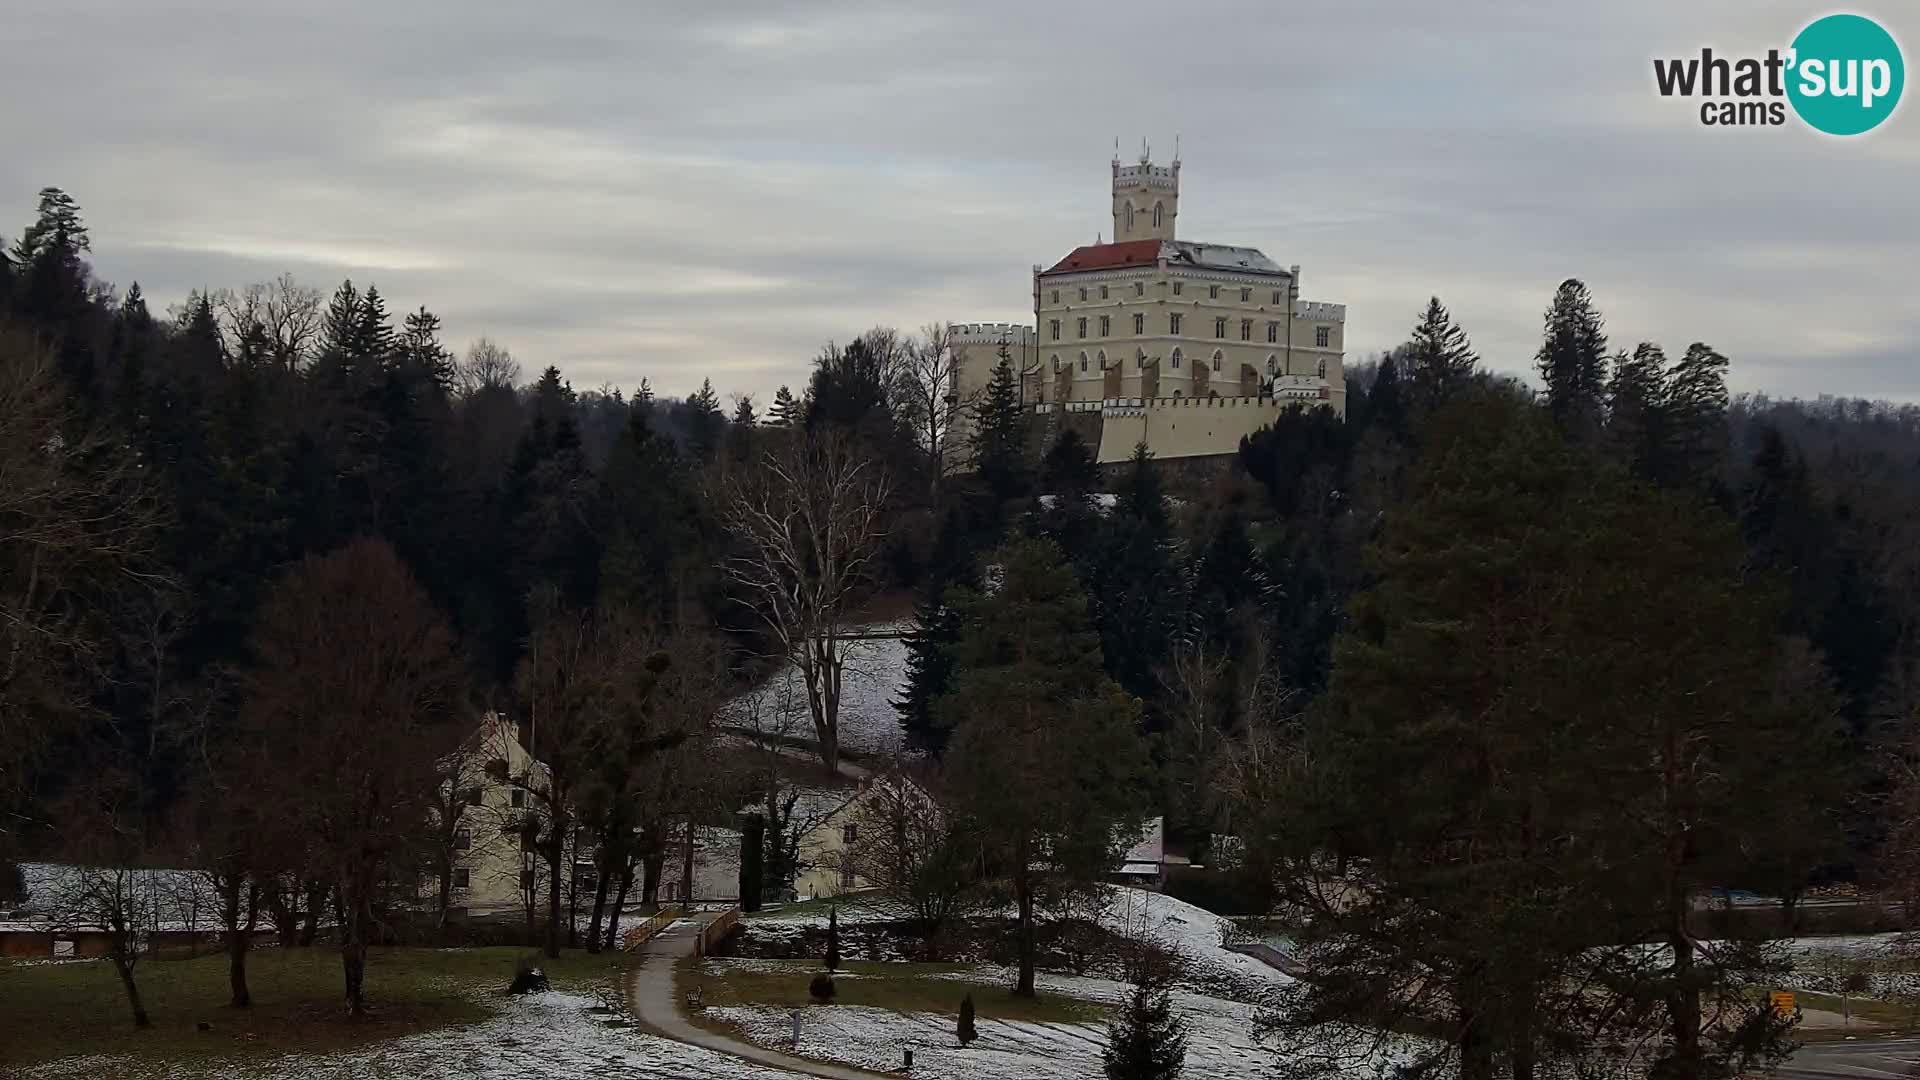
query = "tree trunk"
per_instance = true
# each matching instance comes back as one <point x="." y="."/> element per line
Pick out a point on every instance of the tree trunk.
<point x="573" y="901"/>
<point x="353" y="953"/>
<point x="1684" y="998"/>
<point x="1476" y="1050"/>
<point x="123" y="966"/>
<point x="284" y="922"/>
<point x="599" y="901"/>
<point x="1521" y="1058"/>
<point x="686" y="865"/>
<point x="444" y="902"/>
<point x="557" y="850"/>
<point x="619" y="902"/>
<point x="237" y="935"/>
<point x="650" y="878"/>
<point x="1023" y="887"/>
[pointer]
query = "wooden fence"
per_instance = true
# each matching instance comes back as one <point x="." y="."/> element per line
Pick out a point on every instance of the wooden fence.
<point x="639" y="935"/>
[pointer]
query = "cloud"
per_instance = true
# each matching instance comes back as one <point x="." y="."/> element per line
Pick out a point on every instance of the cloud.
<point x="694" y="191"/>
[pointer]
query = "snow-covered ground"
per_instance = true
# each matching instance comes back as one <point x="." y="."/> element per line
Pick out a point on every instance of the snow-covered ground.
<point x="533" y="1038"/>
<point x="1220" y="1046"/>
<point x="876" y="674"/>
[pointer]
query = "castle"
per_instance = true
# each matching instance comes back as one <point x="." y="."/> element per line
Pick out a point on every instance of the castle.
<point x="1181" y="345"/>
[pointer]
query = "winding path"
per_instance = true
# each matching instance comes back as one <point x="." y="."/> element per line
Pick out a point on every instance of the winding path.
<point x="653" y="989"/>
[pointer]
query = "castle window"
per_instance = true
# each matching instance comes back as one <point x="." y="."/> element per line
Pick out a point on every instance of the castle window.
<point x="1273" y="332"/>
<point x="1106" y="325"/>
<point x="1156" y="215"/>
<point x="1083" y="361"/>
<point x="462" y="877"/>
<point x="1322" y="335"/>
<point x="1103" y="292"/>
<point x="1322" y="371"/>
<point x="518" y="798"/>
<point x="1139" y="323"/>
<point x="1083" y="293"/>
<point x="1220" y="326"/>
<point x="1246" y="329"/>
<point x="1176" y="359"/>
<point x="1056" y="362"/>
<point x="1273" y="366"/>
<point x="1173" y="323"/>
<point x="1053" y="326"/>
<point x="1139" y="288"/>
<point x="1276" y="297"/>
<point x="1139" y="359"/>
<point x="849" y="833"/>
<point x="846" y="876"/>
<point x="1216" y="359"/>
<point x="1056" y="296"/>
<point x="1129" y="217"/>
<point x="1176" y="288"/>
<point x="1213" y="292"/>
<point x="462" y="838"/>
<point x="1246" y="295"/>
<point x="1100" y="359"/>
<point x="1083" y="326"/>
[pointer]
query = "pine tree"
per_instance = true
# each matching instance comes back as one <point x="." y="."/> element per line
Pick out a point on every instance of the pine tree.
<point x="965" y="1030"/>
<point x="1695" y="415"/>
<point x="421" y="352"/>
<point x="1141" y="497"/>
<point x="1000" y="436"/>
<point x="1439" y="359"/>
<point x="1386" y="408"/>
<point x="833" y="939"/>
<point x="743" y="411"/>
<point x="707" y="422"/>
<point x="1046" y="755"/>
<point x="785" y="410"/>
<point x="936" y="630"/>
<point x="1636" y="410"/>
<point x="1573" y="361"/>
<point x="1145" y="1040"/>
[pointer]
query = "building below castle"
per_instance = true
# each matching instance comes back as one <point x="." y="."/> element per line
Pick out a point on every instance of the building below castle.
<point x="1182" y="345"/>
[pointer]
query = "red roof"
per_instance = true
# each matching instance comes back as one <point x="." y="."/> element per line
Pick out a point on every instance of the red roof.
<point x="1108" y="256"/>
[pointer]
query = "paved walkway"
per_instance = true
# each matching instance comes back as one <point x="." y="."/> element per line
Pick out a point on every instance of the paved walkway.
<point x="653" y="990"/>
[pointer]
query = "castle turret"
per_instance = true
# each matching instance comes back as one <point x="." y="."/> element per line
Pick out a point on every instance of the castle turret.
<point x="1146" y="199"/>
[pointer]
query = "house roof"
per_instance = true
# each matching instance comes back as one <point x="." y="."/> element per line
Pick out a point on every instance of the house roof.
<point x="1177" y="253"/>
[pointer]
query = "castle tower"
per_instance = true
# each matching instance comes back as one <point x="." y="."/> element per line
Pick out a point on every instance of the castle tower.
<point x="1146" y="199"/>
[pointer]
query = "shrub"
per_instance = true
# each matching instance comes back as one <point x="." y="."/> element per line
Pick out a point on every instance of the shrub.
<point x="966" y="1030"/>
<point x="821" y="987"/>
<point x="833" y="939"/>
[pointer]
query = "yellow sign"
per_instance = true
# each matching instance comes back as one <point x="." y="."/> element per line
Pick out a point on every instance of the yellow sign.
<point x="1782" y="1002"/>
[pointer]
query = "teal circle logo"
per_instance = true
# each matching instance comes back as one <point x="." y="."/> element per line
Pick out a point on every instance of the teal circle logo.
<point x="1846" y="74"/>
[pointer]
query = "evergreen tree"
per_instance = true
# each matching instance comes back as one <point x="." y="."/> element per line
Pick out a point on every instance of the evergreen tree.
<point x="1141" y="497"/>
<point x="833" y="939"/>
<point x="1573" y="361"/>
<point x="936" y="631"/>
<point x="707" y="422"/>
<point x="965" y="1030"/>
<point x="421" y="352"/>
<point x="1439" y="359"/>
<point x="1695" y="418"/>
<point x="785" y="410"/>
<point x="1145" y="1040"/>
<point x="1069" y="477"/>
<point x="1386" y="407"/>
<point x="743" y="412"/>
<point x="1636" y="410"/>
<point x="1000" y="436"/>
<point x="1045" y="756"/>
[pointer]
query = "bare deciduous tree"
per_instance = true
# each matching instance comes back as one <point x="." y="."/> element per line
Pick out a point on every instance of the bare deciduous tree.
<point x="921" y="858"/>
<point x="486" y="366"/>
<point x="930" y="393"/>
<point x="808" y="524"/>
<point x="359" y="692"/>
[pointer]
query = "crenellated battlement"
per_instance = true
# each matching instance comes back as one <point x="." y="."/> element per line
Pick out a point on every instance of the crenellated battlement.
<point x="1320" y="312"/>
<point x="1166" y="178"/>
<point x="990" y="334"/>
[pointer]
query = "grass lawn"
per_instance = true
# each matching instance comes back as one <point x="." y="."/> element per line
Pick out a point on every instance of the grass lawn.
<point x="1865" y="1009"/>
<point x="900" y="987"/>
<point x="51" y="1011"/>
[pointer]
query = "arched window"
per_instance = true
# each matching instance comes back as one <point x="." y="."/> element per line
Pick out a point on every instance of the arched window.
<point x="1176" y="393"/>
<point x="1083" y="361"/>
<point x="1216" y="359"/>
<point x="1273" y="365"/>
<point x="1156" y="215"/>
<point x="1176" y="359"/>
<point x="1129" y="217"/>
<point x="1323" y="369"/>
<point x="1139" y="359"/>
<point x="1056" y="363"/>
<point x="1101" y="359"/>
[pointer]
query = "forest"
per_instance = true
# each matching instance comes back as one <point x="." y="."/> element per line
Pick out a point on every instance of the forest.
<point x="1483" y="683"/>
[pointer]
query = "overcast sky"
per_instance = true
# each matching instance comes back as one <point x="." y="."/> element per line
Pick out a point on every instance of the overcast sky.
<point x="691" y="190"/>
